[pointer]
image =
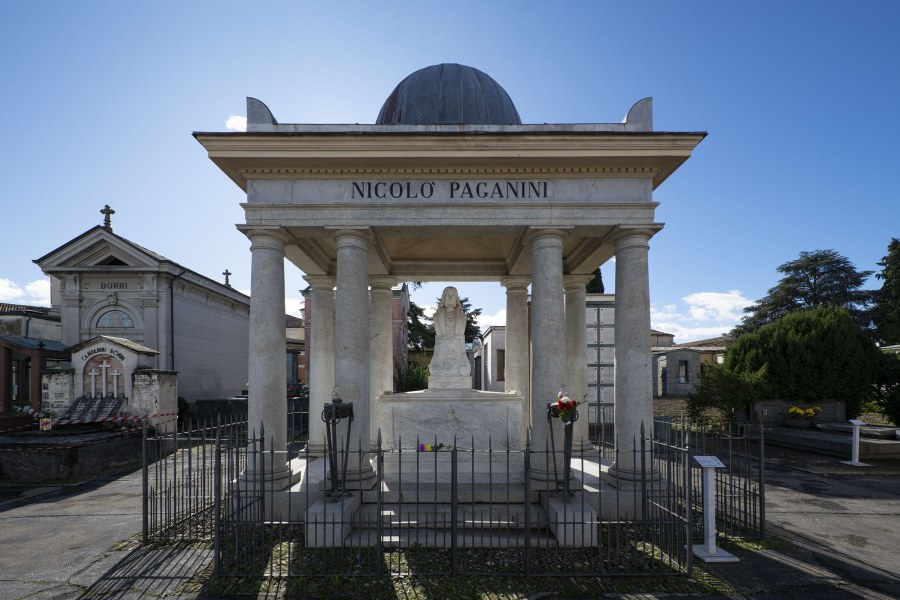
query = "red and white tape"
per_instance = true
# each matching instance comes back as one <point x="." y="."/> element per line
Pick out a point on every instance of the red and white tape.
<point x="112" y="419"/>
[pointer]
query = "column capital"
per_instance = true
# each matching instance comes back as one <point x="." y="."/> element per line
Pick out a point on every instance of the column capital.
<point x="627" y="238"/>
<point x="382" y="282"/>
<point x="265" y="237"/>
<point x="320" y="281"/>
<point x="515" y="283"/>
<point x="537" y="234"/>
<point x="574" y="282"/>
<point x="347" y="235"/>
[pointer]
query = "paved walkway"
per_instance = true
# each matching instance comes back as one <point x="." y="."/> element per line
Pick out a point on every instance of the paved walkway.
<point x="841" y="527"/>
<point x="80" y="541"/>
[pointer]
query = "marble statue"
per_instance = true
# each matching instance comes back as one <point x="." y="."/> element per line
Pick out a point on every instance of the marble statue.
<point x="450" y="368"/>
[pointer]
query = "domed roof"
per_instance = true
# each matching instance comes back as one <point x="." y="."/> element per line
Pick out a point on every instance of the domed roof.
<point x="448" y="94"/>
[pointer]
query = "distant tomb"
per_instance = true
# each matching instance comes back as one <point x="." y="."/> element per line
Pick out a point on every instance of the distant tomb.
<point x="114" y="377"/>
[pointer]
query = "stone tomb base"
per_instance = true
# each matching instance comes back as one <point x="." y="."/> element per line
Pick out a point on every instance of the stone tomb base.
<point x="475" y="418"/>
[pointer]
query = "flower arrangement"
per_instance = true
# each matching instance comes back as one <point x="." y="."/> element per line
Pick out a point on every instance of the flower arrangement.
<point x="433" y="447"/>
<point x="804" y="413"/>
<point x="564" y="408"/>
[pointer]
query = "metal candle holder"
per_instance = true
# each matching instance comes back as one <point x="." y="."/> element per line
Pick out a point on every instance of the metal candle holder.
<point x="332" y="413"/>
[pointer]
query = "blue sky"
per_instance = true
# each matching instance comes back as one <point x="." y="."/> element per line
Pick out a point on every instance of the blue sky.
<point x="799" y="99"/>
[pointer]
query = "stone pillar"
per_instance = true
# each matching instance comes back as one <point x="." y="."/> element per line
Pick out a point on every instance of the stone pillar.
<point x="5" y="383"/>
<point x="267" y="401"/>
<point x="548" y="347"/>
<point x="320" y="357"/>
<point x="634" y="393"/>
<point x="517" y="375"/>
<point x="70" y="311"/>
<point x="351" y="336"/>
<point x="576" y="356"/>
<point x="381" y="345"/>
<point x="150" y="310"/>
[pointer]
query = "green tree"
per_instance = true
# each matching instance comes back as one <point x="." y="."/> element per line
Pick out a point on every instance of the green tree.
<point x="725" y="390"/>
<point x="820" y="278"/>
<point x="473" y="330"/>
<point x="886" y="312"/>
<point x="595" y="285"/>
<point x="810" y="355"/>
<point x="420" y="332"/>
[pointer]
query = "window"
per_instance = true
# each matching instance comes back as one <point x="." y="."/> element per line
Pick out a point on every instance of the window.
<point x="501" y="365"/>
<point x="114" y="319"/>
<point x="683" y="371"/>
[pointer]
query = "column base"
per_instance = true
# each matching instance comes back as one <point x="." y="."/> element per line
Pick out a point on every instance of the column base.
<point x="360" y="476"/>
<point x="622" y="477"/>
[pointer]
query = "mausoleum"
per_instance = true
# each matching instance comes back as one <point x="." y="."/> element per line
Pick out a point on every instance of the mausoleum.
<point x="449" y="185"/>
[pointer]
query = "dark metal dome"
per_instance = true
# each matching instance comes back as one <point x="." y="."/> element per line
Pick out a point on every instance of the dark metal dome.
<point x="448" y="94"/>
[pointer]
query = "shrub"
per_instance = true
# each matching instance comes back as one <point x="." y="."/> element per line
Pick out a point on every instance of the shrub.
<point x="725" y="390"/>
<point x="810" y="355"/>
<point x="886" y="391"/>
<point x="415" y="377"/>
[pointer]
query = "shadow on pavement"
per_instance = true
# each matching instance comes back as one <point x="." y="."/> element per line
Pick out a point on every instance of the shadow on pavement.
<point x="800" y="568"/>
<point x="154" y="570"/>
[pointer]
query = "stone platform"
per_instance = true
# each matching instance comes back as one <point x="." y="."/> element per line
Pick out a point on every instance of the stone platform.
<point x="835" y="439"/>
<point x="471" y="417"/>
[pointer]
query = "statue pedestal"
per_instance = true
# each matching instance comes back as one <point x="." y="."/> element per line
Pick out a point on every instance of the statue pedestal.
<point x="472" y="416"/>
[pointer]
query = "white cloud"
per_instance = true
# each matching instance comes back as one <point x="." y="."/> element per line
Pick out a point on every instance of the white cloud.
<point x="700" y="315"/>
<point x="39" y="292"/>
<point x="9" y="290"/>
<point x="292" y="306"/>
<point x="718" y="306"/>
<point x="428" y="309"/>
<point x="236" y="123"/>
<point x="34" y="293"/>
<point x="496" y="319"/>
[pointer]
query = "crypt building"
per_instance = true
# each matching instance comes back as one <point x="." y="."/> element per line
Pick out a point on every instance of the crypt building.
<point x="105" y="287"/>
<point x="450" y="185"/>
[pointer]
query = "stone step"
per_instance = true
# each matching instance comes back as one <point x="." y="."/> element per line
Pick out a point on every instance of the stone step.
<point x="442" y="538"/>
<point x="867" y="431"/>
<point x="440" y="516"/>
<point x="480" y="489"/>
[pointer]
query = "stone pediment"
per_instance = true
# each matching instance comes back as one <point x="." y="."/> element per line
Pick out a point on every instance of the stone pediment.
<point x="99" y="249"/>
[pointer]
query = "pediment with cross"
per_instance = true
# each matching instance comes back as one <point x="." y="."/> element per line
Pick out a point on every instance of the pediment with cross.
<point x="99" y="248"/>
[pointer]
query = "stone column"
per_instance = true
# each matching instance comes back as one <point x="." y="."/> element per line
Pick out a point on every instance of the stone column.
<point x="5" y="383"/>
<point x="351" y="335"/>
<point x="150" y="308"/>
<point x="634" y="394"/>
<point x="320" y="356"/>
<point x="70" y="312"/>
<point x="381" y="346"/>
<point x="576" y="356"/>
<point x="517" y="342"/>
<point x="548" y="345"/>
<point x="267" y="401"/>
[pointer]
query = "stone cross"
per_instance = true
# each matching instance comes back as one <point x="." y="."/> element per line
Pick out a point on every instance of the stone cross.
<point x="227" y="274"/>
<point x="106" y="211"/>
<point x="94" y="373"/>
<point x="115" y="377"/>
<point x="104" y="366"/>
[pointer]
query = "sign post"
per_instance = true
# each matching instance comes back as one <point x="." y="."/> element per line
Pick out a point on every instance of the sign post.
<point x="708" y="552"/>
<point x="854" y="461"/>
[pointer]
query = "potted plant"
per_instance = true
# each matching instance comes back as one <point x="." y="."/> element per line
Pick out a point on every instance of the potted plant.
<point x="799" y="416"/>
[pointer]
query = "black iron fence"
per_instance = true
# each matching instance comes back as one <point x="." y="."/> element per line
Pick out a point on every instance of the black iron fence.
<point x="452" y="510"/>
